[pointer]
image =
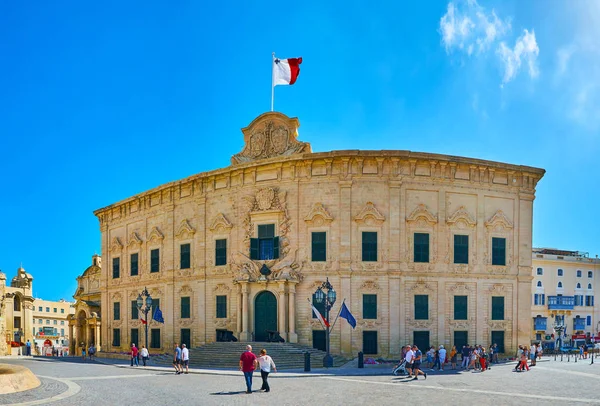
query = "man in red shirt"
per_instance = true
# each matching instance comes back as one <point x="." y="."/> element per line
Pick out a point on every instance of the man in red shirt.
<point x="134" y="355"/>
<point x="248" y="363"/>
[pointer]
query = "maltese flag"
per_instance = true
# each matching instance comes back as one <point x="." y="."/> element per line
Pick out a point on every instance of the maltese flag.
<point x="319" y="316"/>
<point x="286" y="71"/>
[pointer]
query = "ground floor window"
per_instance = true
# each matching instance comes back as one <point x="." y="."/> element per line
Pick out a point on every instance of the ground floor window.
<point x="461" y="338"/>
<point x="135" y="337"/>
<point x="186" y="337"/>
<point x="116" y="337"/>
<point x="498" y="338"/>
<point x="421" y="340"/>
<point x="318" y="337"/>
<point x="369" y="342"/>
<point x="155" y="338"/>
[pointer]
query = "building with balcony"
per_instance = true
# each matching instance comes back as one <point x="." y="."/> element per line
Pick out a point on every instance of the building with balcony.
<point x="563" y="291"/>
<point x="51" y="323"/>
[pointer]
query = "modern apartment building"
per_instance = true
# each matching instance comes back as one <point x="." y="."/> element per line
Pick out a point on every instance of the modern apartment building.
<point x="50" y="323"/>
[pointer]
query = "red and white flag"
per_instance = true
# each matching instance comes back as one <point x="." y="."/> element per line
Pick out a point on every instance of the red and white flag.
<point x="143" y="321"/>
<point x="319" y="316"/>
<point x="286" y="71"/>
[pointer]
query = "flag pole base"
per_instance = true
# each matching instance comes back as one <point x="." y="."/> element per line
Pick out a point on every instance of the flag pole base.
<point x="328" y="361"/>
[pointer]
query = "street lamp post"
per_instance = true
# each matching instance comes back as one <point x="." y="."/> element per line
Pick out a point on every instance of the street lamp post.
<point x="329" y="299"/>
<point x="144" y="306"/>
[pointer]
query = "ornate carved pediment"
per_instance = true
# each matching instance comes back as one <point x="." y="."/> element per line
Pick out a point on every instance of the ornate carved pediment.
<point x="134" y="240"/>
<point x="156" y="292"/>
<point x="421" y="287"/>
<point x="116" y="245"/>
<point x="185" y="290"/>
<point x="221" y="288"/>
<point x="497" y="288"/>
<point x="116" y="296"/>
<point x="155" y="235"/>
<point x="419" y="323"/>
<point x="422" y="212"/>
<point x="461" y="287"/>
<point x="369" y="215"/>
<point x="269" y="135"/>
<point x="461" y="215"/>
<point x="499" y="220"/>
<point x="185" y="230"/>
<point x="318" y="215"/>
<point x="220" y="223"/>
<point x="369" y="285"/>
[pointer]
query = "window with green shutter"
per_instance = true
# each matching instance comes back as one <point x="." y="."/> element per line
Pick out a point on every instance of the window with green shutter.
<point x="497" y="307"/>
<point x="221" y="307"/>
<point x="134" y="264"/>
<point x="155" y="338"/>
<point x="369" y="306"/>
<point x="421" y="247"/>
<point x="134" y="310"/>
<point x="184" y="256"/>
<point x="266" y="246"/>
<point x="155" y="260"/>
<point x="461" y="249"/>
<point x="116" y="265"/>
<point x="116" y="337"/>
<point x="369" y="342"/>
<point x="498" y="251"/>
<point x="421" y="307"/>
<point x="220" y="252"/>
<point x="116" y="311"/>
<point x="319" y="246"/>
<point x="185" y="307"/>
<point x="460" y="307"/>
<point x="319" y="306"/>
<point x="155" y="305"/>
<point x="369" y="246"/>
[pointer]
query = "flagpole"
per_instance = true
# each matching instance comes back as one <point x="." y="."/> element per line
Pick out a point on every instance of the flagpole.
<point x="272" y="79"/>
<point x="338" y="315"/>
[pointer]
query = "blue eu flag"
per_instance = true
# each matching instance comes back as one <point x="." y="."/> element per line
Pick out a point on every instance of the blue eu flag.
<point x="345" y="314"/>
<point x="158" y="316"/>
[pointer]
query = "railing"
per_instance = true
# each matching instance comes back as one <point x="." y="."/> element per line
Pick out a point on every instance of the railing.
<point x="561" y="302"/>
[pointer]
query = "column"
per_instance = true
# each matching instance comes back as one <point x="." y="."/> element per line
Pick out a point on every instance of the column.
<point x="239" y="311"/>
<point x="97" y="338"/>
<point x="292" y="336"/>
<point x="245" y="336"/>
<point x="281" y="311"/>
<point x="72" y="339"/>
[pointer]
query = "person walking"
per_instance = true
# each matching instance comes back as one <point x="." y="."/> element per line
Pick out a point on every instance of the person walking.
<point x="144" y="354"/>
<point x="408" y="357"/>
<point x="92" y="352"/>
<point x="453" y="356"/>
<point x="265" y="362"/>
<point x="83" y="351"/>
<point x="466" y="355"/>
<point x="442" y="357"/>
<point x="436" y="360"/>
<point x="248" y="363"/>
<point x="185" y="358"/>
<point x="177" y="359"/>
<point x="482" y="359"/>
<point x="134" y="355"/>
<point x="28" y="347"/>
<point x="533" y="354"/>
<point x="417" y="355"/>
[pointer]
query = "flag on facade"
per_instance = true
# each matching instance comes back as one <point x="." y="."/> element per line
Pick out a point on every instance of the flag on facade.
<point x="319" y="316"/>
<point x="144" y="321"/>
<point x="345" y="314"/>
<point x="286" y="71"/>
<point x="158" y="316"/>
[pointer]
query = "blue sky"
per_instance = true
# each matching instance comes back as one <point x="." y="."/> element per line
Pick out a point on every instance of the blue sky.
<point x="103" y="100"/>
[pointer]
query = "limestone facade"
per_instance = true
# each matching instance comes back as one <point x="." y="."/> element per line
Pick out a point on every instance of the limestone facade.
<point x="51" y="322"/>
<point x="573" y="276"/>
<point x="394" y="206"/>
<point x="16" y="311"/>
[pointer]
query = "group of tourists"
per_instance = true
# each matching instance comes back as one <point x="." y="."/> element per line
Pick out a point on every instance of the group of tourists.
<point x="181" y="358"/>
<point x="524" y="354"/>
<point x="249" y="362"/>
<point x="135" y="354"/>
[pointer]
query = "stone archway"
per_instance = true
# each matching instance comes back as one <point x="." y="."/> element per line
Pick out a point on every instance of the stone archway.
<point x="265" y="315"/>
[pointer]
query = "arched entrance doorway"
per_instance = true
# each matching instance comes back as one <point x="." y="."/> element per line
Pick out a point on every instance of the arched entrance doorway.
<point x="265" y="315"/>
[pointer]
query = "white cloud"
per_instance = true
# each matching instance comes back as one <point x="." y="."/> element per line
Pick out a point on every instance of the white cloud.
<point x="563" y="56"/>
<point x="526" y="49"/>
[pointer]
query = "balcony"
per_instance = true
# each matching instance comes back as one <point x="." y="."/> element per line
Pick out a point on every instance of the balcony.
<point x="561" y="302"/>
<point x="539" y="323"/>
<point x="578" y="324"/>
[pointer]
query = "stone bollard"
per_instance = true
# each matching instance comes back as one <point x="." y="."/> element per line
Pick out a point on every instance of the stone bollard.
<point x="361" y="360"/>
<point x="307" y="361"/>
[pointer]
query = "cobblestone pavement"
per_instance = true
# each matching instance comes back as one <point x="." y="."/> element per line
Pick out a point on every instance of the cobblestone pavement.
<point x="70" y="382"/>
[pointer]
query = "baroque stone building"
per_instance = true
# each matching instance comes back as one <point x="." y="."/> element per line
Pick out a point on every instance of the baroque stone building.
<point x="16" y="312"/>
<point x="424" y="248"/>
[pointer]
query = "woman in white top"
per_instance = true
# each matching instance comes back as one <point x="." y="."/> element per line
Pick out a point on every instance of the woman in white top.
<point x="144" y="354"/>
<point x="265" y="363"/>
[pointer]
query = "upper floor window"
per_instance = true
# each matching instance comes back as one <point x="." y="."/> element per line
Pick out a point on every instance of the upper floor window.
<point x="55" y="310"/>
<point x="421" y="307"/>
<point x="539" y="284"/>
<point x="48" y="309"/>
<point x="369" y="246"/>
<point x="589" y="300"/>
<point x="498" y="251"/>
<point x="220" y="252"/>
<point x="369" y="306"/>
<point x="40" y="308"/>
<point x="155" y="260"/>
<point x="62" y="310"/>
<point x="578" y="286"/>
<point x="266" y="246"/>
<point x="116" y="311"/>
<point x="185" y="307"/>
<point x="461" y="249"/>
<point x="116" y="267"/>
<point x="134" y="270"/>
<point x="421" y="249"/>
<point x="559" y="285"/>
<point x="460" y="307"/>
<point x="134" y="310"/>
<point x="560" y="272"/>
<point x="578" y="273"/>
<point x="540" y="271"/>
<point x="590" y="274"/>
<point x="589" y="286"/>
<point x="589" y="320"/>
<point x="319" y="246"/>
<point x="497" y="307"/>
<point x="221" y="307"/>
<point x="184" y="256"/>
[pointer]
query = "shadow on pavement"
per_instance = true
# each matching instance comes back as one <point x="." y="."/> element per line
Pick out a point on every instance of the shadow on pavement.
<point x="229" y="393"/>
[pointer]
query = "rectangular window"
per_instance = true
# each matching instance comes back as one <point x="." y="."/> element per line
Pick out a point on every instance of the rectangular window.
<point x="47" y="309"/>
<point x="134" y="310"/>
<point x="588" y="320"/>
<point x="55" y="310"/>
<point x="421" y="340"/>
<point x="40" y="308"/>
<point x="184" y="256"/>
<point x="134" y="264"/>
<point x="116" y="337"/>
<point x="497" y="307"/>
<point x="461" y="338"/>
<point x="319" y="340"/>
<point x="498" y="251"/>
<point x="369" y="342"/>
<point x="155" y="305"/>
<point x="578" y="300"/>
<point x="498" y="338"/>
<point x="155" y="260"/>
<point x="319" y="246"/>
<point x="155" y="338"/>
<point x="220" y="252"/>
<point x="185" y="307"/>
<point x="62" y="332"/>
<point x="369" y="246"/>
<point x="589" y="300"/>
<point x="62" y="322"/>
<point x="421" y="307"/>
<point x="421" y="249"/>
<point x="460" y="307"/>
<point x="369" y="306"/>
<point x="55" y="322"/>
<point x="116" y="311"/>
<point x="461" y="249"/>
<point x="539" y="299"/>
<point x="62" y="311"/>
<point x="186" y="337"/>
<point x="134" y="338"/>
<point x="266" y="246"/>
<point x="116" y="270"/>
<point x="319" y="306"/>
<point x="221" y="307"/>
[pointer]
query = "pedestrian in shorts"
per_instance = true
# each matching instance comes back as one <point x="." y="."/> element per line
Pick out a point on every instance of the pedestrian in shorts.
<point x="408" y="356"/>
<point x="177" y="359"/>
<point x="185" y="358"/>
<point x="417" y="355"/>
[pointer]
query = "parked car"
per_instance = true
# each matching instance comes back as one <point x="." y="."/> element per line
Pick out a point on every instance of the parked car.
<point x="568" y="349"/>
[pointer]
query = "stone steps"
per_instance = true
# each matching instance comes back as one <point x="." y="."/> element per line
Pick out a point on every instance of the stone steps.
<point x="227" y="355"/>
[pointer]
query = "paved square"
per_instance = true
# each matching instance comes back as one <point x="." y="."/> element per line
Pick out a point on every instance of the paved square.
<point x="71" y="382"/>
